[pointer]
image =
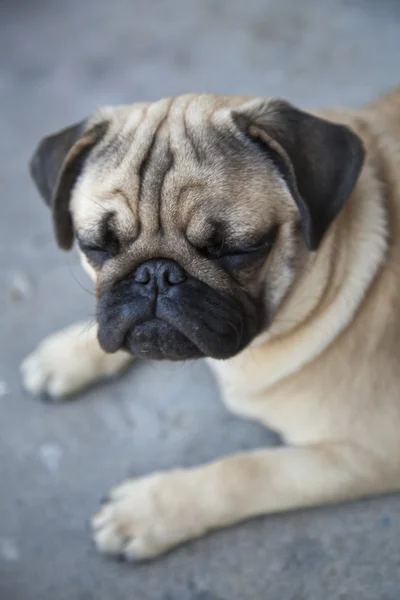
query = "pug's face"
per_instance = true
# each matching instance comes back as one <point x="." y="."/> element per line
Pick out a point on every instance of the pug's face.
<point x="194" y="215"/>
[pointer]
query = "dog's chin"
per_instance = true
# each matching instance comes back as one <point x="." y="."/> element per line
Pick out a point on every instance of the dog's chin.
<point x="159" y="340"/>
<point x="155" y="339"/>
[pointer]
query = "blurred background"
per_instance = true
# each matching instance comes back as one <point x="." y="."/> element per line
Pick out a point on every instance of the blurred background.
<point x="59" y="59"/>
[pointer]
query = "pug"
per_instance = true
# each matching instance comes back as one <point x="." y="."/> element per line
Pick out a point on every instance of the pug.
<point x="265" y="239"/>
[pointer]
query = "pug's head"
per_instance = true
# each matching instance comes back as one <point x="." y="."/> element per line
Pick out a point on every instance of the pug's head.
<point x="194" y="215"/>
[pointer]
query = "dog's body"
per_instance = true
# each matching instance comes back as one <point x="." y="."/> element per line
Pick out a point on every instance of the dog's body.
<point x="323" y="370"/>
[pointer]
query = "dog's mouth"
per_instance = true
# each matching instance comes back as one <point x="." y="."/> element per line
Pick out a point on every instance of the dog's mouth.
<point x="157" y="339"/>
<point x="178" y="322"/>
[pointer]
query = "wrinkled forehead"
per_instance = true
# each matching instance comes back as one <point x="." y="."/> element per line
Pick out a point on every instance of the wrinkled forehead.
<point x="178" y="163"/>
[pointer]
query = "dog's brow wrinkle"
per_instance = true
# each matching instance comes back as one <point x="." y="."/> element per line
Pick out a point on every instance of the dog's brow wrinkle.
<point x="114" y="148"/>
<point x="185" y="188"/>
<point x="128" y="203"/>
<point x="189" y="135"/>
<point x="144" y="166"/>
<point x="121" y="194"/>
<point x="147" y="159"/>
<point x="169" y="165"/>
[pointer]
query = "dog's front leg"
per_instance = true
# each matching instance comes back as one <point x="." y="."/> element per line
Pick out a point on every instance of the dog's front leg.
<point x="145" y="517"/>
<point x="68" y="361"/>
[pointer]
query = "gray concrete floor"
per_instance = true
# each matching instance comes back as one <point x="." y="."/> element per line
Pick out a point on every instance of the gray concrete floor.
<point x="58" y="61"/>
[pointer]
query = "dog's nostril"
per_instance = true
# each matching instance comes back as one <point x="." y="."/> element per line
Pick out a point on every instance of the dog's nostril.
<point x="174" y="277"/>
<point x="160" y="272"/>
<point x="142" y="275"/>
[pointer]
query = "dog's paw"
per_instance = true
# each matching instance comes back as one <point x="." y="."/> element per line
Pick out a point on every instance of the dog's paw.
<point x="67" y="362"/>
<point x="145" y="517"/>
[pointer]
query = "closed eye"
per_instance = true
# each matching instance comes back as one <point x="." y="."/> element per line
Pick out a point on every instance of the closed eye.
<point x="241" y="258"/>
<point x="100" y="252"/>
<point x="243" y="254"/>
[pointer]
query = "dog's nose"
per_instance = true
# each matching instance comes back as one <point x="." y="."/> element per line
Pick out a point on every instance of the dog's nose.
<point x="161" y="272"/>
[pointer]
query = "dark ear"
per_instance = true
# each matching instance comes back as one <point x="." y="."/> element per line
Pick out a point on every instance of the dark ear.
<point x="319" y="160"/>
<point x="55" y="167"/>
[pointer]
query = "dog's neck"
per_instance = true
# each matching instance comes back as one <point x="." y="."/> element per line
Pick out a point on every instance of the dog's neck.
<point x="338" y="274"/>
